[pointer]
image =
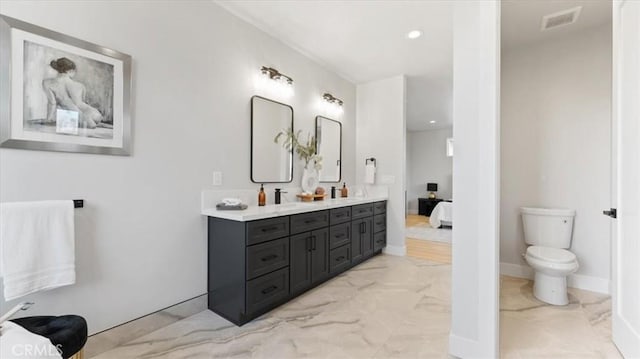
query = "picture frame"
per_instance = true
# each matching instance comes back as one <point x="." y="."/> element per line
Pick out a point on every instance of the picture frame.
<point x="61" y="93"/>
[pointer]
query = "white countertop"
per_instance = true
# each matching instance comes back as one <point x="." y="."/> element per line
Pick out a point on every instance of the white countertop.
<point x="276" y="210"/>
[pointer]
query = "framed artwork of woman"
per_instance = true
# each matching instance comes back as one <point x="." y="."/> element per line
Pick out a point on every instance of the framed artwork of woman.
<point x="60" y="93"/>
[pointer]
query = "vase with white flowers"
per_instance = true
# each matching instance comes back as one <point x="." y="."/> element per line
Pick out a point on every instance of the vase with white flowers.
<point x="307" y="152"/>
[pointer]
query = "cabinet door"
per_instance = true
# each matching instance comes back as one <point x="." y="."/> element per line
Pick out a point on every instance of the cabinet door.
<point x="357" y="228"/>
<point x="300" y="262"/>
<point x="319" y="255"/>
<point x="367" y="237"/>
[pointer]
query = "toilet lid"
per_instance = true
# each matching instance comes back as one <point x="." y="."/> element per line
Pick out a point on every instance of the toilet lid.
<point x="549" y="254"/>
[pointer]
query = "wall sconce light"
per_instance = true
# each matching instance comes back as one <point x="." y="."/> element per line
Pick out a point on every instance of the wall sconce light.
<point x="332" y="99"/>
<point x="276" y="75"/>
<point x="273" y="83"/>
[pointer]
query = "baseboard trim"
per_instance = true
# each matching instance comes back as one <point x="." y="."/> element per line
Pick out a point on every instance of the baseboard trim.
<point x="395" y="250"/>
<point x="105" y="340"/>
<point x="593" y="284"/>
<point x="516" y="270"/>
<point x="460" y="347"/>
<point x="579" y="281"/>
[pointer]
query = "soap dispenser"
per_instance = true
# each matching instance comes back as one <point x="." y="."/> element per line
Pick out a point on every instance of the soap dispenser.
<point x="277" y="197"/>
<point x="262" y="197"/>
<point x="344" y="192"/>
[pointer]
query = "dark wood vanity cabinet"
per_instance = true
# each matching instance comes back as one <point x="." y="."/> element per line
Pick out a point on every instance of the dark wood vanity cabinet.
<point x="361" y="240"/>
<point x="256" y="266"/>
<point x="309" y="259"/>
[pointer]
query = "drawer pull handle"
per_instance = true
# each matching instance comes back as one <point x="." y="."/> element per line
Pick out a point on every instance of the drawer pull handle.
<point x="379" y="223"/>
<point x="339" y="258"/>
<point x="269" y="289"/>
<point x="269" y="229"/>
<point x="340" y="215"/>
<point x="340" y="235"/>
<point x="269" y="257"/>
<point x="309" y="221"/>
<point x="380" y="241"/>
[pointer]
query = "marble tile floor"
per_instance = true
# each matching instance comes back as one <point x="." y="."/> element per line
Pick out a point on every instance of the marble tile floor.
<point x="387" y="307"/>
<point x="530" y="328"/>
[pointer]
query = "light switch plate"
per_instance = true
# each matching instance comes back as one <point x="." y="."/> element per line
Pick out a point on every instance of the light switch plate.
<point x="217" y="178"/>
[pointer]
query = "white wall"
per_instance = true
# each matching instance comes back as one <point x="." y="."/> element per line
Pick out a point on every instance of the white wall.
<point x="476" y="180"/>
<point x="141" y="242"/>
<point x="556" y="147"/>
<point x="427" y="161"/>
<point x="381" y="133"/>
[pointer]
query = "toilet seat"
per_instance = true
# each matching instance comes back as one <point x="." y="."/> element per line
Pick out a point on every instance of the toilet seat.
<point x="553" y="255"/>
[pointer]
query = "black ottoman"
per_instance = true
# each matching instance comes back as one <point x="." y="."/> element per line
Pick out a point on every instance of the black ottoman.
<point x="67" y="332"/>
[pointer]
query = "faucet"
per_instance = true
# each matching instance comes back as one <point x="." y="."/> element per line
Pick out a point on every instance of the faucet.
<point x="277" y="196"/>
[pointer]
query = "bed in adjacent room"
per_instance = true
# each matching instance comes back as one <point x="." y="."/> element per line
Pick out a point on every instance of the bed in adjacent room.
<point x="441" y="215"/>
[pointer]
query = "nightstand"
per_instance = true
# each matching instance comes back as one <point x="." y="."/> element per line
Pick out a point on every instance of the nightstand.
<point x="426" y="205"/>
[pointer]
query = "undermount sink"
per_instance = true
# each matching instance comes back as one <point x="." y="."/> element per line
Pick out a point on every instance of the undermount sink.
<point x="293" y="205"/>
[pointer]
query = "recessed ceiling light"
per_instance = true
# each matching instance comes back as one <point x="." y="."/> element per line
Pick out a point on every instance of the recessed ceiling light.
<point x="432" y="122"/>
<point x="414" y="34"/>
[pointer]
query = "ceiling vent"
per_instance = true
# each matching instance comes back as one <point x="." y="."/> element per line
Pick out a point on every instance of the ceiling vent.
<point x="561" y="18"/>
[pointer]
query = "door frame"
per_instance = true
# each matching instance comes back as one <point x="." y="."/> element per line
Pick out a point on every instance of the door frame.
<point x="623" y="334"/>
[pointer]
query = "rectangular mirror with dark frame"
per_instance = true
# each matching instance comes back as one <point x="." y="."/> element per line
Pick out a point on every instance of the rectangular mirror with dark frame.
<point x="270" y="161"/>
<point x="329" y="147"/>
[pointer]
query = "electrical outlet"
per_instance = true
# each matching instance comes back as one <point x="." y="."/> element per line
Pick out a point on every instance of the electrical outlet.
<point x="217" y="178"/>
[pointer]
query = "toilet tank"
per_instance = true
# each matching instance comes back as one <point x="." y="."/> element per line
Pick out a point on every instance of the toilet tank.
<point x="548" y="227"/>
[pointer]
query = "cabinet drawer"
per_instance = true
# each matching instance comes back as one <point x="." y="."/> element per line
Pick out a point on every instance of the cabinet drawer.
<point x="267" y="229"/>
<point x="379" y="223"/>
<point x="380" y="207"/>
<point x="339" y="235"/>
<point x="339" y="259"/>
<point x="265" y="291"/>
<point x="339" y="215"/>
<point x="379" y="241"/>
<point x="362" y="210"/>
<point x="266" y="257"/>
<point x="309" y="221"/>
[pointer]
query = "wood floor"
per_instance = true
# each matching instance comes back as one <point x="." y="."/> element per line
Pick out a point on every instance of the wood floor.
<point x="419" y="248"/>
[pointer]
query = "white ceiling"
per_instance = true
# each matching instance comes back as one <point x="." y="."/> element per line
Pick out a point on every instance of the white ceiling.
<point x="366" y="40"/>
<point x="521" y="18"/>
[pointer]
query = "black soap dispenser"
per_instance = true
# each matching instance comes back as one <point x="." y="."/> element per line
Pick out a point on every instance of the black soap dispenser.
<point x="277" y="196"/>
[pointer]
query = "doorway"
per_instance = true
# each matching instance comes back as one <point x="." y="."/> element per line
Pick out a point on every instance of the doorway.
<point x="556" y="153"/>
<point x="429" y="171"/>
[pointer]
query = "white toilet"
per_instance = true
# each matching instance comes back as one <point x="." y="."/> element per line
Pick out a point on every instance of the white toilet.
<point x="548" y="233"/>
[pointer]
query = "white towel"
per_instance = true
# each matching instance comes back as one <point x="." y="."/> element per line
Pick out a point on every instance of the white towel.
<point x="370" y="173"/>
<point x="37" y="246"/>
<point x="17" y="342"/>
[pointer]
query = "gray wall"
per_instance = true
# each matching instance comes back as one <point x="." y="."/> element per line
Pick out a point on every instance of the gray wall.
<point x="427" y="161"/>
<point x="556" y="143"/>
<point x="140" y="241"/>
